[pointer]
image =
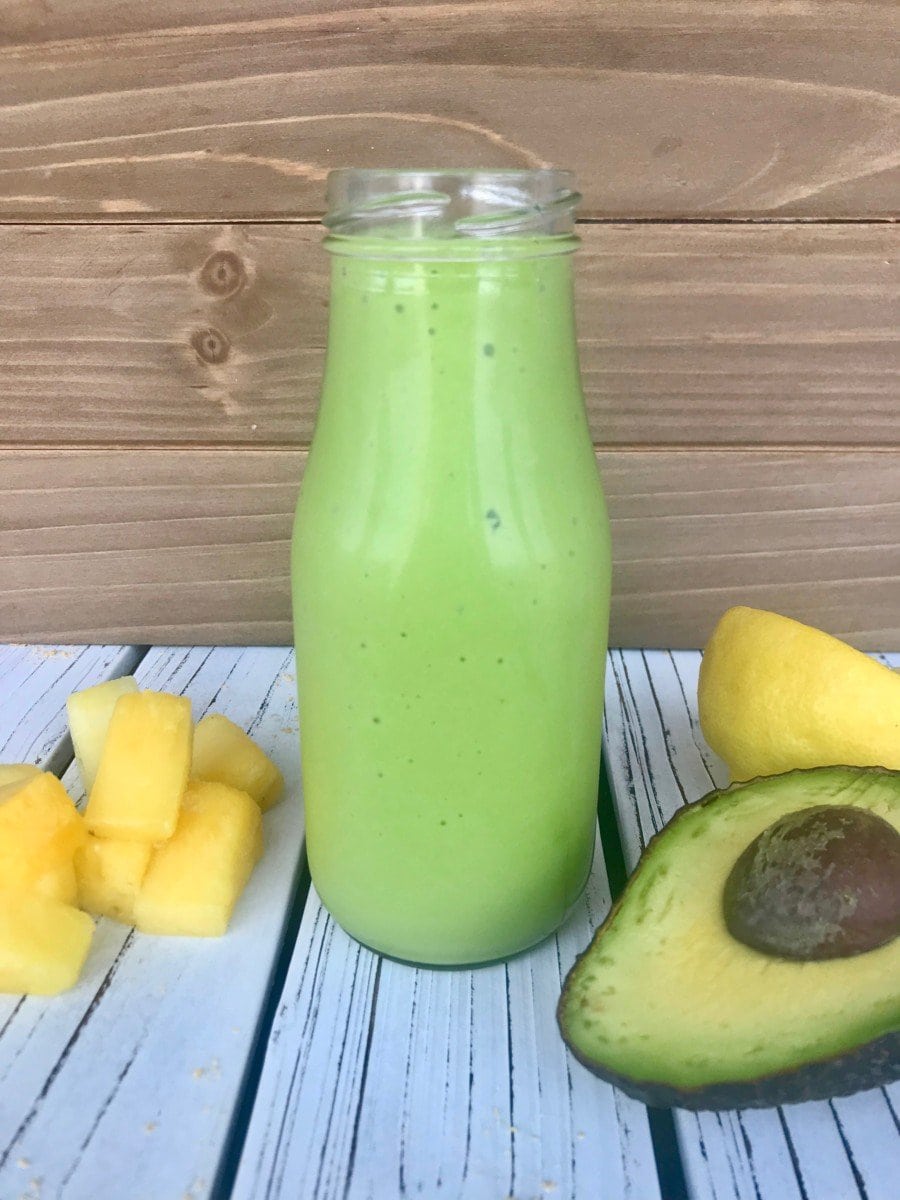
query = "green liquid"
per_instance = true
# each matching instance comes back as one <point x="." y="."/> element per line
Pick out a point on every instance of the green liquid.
<point x="451" y="578"/>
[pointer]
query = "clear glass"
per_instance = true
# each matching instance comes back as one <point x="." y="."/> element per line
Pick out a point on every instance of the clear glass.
<point x="451" y="570"/>
<point x="445" y="205"/>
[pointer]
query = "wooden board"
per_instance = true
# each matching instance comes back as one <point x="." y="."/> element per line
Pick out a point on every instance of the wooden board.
<point x="215" y="334"/>
<point x="127" y="1084"/>
<point x="663" y="108"/>
<point x="192" y="546"/>
<point x="845" y="1149"/>
<point x="378" y="1079"/>
<point x="384" y="1080"/>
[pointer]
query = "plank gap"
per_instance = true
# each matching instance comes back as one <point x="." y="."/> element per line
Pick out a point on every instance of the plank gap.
<point x="14" y="220"/>
<point x="223" y="1184"/>
<point x="610" y="837"/>
<point x="303" y="447"/>
<point x="670" y="1168"/>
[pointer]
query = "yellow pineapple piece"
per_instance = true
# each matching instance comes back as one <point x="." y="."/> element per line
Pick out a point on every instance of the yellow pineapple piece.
<point x="110" y="872"/>
<point x="43" y="943"/>
<point x="90" y="712"/>
<point x="40" y="830"/>
<point x="223" y="753"/>
<point x="59" y="883"/>
<point x="143" y="768"/>
<point x="194" y="880"/>
<point x="12" y="775"/>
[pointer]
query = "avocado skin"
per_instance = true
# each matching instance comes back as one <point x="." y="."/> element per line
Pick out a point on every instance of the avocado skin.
<point x="874" y="1064"/>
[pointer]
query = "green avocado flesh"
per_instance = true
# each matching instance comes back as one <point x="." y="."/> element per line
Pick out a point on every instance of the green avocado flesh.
<point x="668" y="1005"/>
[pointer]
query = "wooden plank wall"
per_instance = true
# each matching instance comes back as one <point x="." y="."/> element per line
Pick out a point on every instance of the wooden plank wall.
<point x="164" y="299"/>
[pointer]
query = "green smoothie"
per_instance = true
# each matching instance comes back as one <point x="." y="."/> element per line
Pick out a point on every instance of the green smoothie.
<point x="451" y="578"/>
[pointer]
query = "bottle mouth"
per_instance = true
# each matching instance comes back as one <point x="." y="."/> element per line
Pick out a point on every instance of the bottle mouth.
<point x="450" y="204"/>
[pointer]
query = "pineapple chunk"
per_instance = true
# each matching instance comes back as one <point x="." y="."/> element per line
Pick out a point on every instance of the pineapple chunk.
<point x="8" y="790"/>
<point x="12" y="775"/>
<point x="90" y="712"/>
<point x="194" y="880"/>
<point x="223" y="753"/>
<point x="40" y="830"/>
<point x="143" y="769"/>
<point x="43" y="943"/>
<point x="109" y="873"/>
<point x="58" y="882"/>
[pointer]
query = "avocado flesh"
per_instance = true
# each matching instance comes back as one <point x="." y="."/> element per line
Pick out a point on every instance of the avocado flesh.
<point x="667" y="1004"/>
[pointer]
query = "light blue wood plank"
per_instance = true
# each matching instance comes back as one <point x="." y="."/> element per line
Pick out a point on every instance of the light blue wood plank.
<point x="845" y="1150"/>
<point x="126" y="1085"/>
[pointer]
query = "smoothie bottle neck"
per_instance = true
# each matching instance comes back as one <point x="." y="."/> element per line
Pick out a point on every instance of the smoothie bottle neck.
<point x="463" y="330"/>
<point x="437" y="272"/>
<point x="451" y="327"/>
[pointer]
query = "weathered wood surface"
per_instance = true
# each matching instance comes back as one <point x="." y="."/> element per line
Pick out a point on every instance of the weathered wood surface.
<point x="215" y="334"/>
<point x="126" y="1085"/>
<point x="379" y="1079"/>
<point x="192" y="546"/>
<point x="663" y="108"/>
<point x="382" y="1080"/>
<point x="846" y="1149"/>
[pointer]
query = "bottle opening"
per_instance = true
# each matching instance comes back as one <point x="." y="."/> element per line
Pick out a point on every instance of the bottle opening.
<point x="451" y="204"/>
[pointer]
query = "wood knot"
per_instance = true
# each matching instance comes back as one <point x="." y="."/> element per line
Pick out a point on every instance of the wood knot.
<point x="223" y="274"/>
<point x="211" y="345"/>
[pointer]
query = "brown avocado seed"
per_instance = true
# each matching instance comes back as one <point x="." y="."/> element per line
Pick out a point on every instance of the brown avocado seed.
<point x="820" y="883"/>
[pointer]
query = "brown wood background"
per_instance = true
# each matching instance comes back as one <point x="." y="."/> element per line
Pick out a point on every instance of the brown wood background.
<point x="164" y="302"/>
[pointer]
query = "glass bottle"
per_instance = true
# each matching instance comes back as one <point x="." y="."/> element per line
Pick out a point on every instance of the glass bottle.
<point x="451" y="569"/>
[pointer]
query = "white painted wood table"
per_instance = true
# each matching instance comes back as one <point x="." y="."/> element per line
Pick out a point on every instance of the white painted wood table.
<point x="285" y="1062"/>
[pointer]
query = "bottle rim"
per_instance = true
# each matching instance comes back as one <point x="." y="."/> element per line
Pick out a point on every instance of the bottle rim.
<point x="462" y="205"/>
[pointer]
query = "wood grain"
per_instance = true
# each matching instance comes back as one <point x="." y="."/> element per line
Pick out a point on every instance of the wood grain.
<point x="191" y="546"/>
<point x="215" y="334"/>
<point x="663" y="107"/>
<point x="846" y="1149"/>
<point x="127" y="1084"/>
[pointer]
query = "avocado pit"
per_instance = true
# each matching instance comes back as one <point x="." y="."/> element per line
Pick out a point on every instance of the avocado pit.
<point x="820" y="883"/>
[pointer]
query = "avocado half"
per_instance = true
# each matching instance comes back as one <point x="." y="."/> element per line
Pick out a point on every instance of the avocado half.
<point x="667" y="1005"/>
